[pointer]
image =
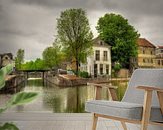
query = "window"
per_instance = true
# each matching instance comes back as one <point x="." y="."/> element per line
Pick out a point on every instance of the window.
<point x="143" y="51"/>
<point x="151" y="52"/>
<point x="105" y="55"/>
<point x="158" y="62"/>
<point x="151" y="61"/>
<point x="162" y="62"/>
<point x="107" y="69"/>
<point x="100" y="42"/>
<point x="101" y="68"/>
<point x="148" y="60"/>
<point x="97" y="55"/>
<point x="144" y="60"/>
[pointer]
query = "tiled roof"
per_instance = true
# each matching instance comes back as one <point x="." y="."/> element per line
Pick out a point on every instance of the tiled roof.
<point x="145" y="43"/>
<point x="161" y="47"/>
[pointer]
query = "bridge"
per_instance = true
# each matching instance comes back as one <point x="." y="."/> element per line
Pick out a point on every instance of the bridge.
<point x="30" y="71"/>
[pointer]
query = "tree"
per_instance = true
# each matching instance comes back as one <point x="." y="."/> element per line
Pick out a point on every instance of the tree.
<point x="117" y="32"/>
<point x="75" y="35"/>
<point x="38" y="64"/>
<point x="52" y="56"/>
<point x="19" y="59"/>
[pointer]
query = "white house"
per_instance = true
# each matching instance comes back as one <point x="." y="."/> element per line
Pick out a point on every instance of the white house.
<point x="99" y="63"/>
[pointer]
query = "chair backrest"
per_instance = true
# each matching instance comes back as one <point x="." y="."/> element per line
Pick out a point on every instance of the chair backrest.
<point x="143" y="77"/>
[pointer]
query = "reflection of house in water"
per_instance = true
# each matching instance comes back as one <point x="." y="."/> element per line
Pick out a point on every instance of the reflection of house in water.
<point x="5" y="59"/>
<point x="99" y="63"/>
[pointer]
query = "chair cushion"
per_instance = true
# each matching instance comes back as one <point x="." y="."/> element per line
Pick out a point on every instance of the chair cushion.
<point x="125" y="110"/>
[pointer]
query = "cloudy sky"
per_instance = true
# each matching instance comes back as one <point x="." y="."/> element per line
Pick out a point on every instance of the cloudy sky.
<point x="31" y="24"/>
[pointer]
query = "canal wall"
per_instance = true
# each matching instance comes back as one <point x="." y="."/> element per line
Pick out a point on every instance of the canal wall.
<point x="13" y="83"/>
<point x="72" y="80"/>
<point x="65" y="82"/>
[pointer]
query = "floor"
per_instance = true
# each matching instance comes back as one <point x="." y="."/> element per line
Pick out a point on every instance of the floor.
<point x="60" y="121"/>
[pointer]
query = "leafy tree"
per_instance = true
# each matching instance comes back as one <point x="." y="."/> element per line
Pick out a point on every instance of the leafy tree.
<point x="19" y="58"/>
<point x="38" y="64"/>
<point x="75" y="35"/>
<point x="117" y="32"/>
<point x="52" y="56"/>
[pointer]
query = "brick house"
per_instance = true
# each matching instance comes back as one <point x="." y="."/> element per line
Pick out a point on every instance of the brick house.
<point x="5" y="59"/>
<point x="159" y="57"/>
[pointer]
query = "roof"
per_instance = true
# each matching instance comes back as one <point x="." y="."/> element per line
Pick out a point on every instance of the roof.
<point x="160" y="47"/>
<point x="8" y="54"/>
<point x="96" y="42"/>
<point x="145" y="43"/>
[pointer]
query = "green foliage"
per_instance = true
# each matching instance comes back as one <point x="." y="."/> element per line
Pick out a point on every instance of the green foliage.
<point x="117" y="32"/>
<point x="84" y="74"/>
<point x="22" y="98"/>
<point x="52" y="56"/>
<point x="18" y="99"/>
<point x="117" y="67"/>
<point x="74" y="34"/>
<point x="8" y="126"/>
<point x="19" y="59"/>
<point x="3" y="72"/>
<point x="38" y="64"/>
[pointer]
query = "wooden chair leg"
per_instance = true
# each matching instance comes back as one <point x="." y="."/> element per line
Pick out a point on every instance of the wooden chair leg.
<point x="124" y="125"/>
<point x="95" y="119"/>
<point x="160" y="98"/>
<point x="146" y="110"/>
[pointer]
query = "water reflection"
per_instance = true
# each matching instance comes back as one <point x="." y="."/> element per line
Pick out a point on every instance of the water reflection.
<point x="64" y="100"/>
<point x="69" y="100"/>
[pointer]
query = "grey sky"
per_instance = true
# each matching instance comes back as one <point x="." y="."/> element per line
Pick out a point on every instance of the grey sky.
<point x="31" y="24"/>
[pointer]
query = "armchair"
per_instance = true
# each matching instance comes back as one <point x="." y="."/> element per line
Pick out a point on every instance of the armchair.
<point x="138" y="107"/>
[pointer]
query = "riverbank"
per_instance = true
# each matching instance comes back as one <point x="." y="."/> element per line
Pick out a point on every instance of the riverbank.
<point x="66" y="80"/>
<point x="72" y="80"/>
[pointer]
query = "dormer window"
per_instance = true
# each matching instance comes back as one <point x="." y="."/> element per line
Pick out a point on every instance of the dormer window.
<point x="100" y="42"/>
<point x="6" y="58"/>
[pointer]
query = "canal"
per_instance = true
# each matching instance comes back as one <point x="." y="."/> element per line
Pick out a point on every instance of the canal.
<point x="62" y="100"/>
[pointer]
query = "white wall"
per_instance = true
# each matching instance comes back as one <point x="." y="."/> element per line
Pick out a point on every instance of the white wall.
<point x="91" y="61"/>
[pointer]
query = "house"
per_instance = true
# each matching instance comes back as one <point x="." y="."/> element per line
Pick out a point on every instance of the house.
<point x="5" y="59"/>
<point x="71" y="65"/>
<point x="99" y="63"/>
<point x="159" y="57"/>
<point x="146" y="54"/>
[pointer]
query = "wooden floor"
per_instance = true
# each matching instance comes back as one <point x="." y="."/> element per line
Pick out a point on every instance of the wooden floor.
<point x="60" y="121"/>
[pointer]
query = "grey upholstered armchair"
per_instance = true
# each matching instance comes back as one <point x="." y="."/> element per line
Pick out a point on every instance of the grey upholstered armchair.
<point x="142" y="103"/>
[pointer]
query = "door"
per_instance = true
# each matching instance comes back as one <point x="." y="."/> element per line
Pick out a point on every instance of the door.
<point x="95" y="70"/>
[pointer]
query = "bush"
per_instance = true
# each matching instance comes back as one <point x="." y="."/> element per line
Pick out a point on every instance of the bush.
<point x="116" y="69"/>
<point x="83" y="74"/>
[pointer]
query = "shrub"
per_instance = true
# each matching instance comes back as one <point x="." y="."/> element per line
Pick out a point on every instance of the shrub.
<point x="84" y="74"/>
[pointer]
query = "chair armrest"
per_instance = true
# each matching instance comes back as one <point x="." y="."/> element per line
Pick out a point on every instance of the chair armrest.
<point x="148" y="101"/>
<point x="148" y="88"/>
<point x="102" y="85"/>
<point x="159" y="91"/>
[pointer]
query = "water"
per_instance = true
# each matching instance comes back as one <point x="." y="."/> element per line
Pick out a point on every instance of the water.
<point x="63" y="100"/>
